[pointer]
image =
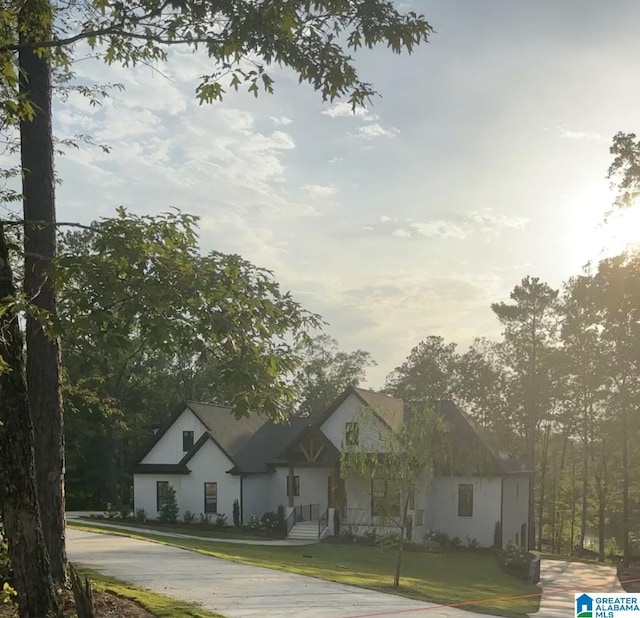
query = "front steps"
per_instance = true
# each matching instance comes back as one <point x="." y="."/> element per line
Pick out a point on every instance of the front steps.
<point x="304" y="531"/>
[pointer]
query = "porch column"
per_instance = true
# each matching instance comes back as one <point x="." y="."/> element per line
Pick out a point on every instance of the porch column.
<point x="290" y="485"/>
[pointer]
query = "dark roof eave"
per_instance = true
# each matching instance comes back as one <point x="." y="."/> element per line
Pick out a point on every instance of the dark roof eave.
<point x="160" y="469"/>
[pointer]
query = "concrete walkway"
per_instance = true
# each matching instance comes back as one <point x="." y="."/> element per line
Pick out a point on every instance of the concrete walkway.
<point x="238" y="590"/>
<point x="560" y="580"/>
<point x="101" y="523"/>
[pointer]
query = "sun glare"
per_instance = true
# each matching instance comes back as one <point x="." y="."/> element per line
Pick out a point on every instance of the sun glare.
<point x="597" y="232"/>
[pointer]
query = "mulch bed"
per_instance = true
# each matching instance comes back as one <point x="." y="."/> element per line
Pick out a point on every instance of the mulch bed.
<point x="108" y="605"/>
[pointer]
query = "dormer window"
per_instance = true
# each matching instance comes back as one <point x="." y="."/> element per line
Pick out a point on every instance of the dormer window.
<point x="352" y="434"/>
<point x="187" y="440"/>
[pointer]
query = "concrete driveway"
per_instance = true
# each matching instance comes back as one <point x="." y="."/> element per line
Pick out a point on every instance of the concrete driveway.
<point x="238" y="590"/>
<point x="560" y="580"/>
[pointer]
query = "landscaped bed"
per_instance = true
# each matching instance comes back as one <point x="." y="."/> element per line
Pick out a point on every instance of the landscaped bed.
<point x="196" y="529"/>
<point x="469" y="580"/>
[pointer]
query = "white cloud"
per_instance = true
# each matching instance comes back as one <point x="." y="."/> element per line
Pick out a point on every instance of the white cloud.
<point x="281" y="121"/>
<point x="320" y="191"/>
<point x="591" y="136"/>
<point x="433" y="229"/>
<point x="494" y="222"/>
<point x="372" y="131"/>
<point x="343" y="110"/>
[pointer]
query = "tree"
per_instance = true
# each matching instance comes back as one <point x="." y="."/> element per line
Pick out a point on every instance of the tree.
<point x="402" y="460"/>
<point x="616" y="296"/>
<point x="427" y="375"/>
<point x="140" y="310"/>
<point x="624" y="171"/>
<point x="20" y="512"/>
<point x="313" y="39"/>
<point x="481" y="388"/>
<point x="326" y="372"/>
<point x="529" y="331"/>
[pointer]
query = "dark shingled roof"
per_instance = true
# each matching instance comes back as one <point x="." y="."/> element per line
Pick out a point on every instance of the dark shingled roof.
<point x="230" y="433"/>
<point x="255" y="444"/>
<point x="469" y="431"/>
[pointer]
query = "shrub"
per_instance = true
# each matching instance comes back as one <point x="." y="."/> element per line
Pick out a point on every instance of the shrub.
<point x="253" y="525"/>
<point x="370" y="536"/>
<point x="188" y="517"/>
<point x="236" y="513"/>
<point x="6" y="572"/>
<point x="281" y="520"/>
<point x="440" y="538"/>
<point x="169" y="511"/>
<point x="473" y="543"/>
<point x="454" y="542"/>
<point x="221" y="520"/>
<point x="271" y="522"/>
<point x="125" y="512"/>
<point x="497" y="535"/>
<point x="205" y="519"/>
<point x="515" y="561"/>
<point x="141" y="516"/>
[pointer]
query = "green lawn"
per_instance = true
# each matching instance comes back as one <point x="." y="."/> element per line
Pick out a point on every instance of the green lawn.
<point x="472" y="581"/>
<point x="228" y="532"/>
<point x="159" y="605"/>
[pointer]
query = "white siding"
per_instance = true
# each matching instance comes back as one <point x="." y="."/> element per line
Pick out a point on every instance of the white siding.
<point x="256" y="491"/>
<point x="209" y="465"/>
<point x="515" y="508"/>
<point x="441" y="508"/>
<point x="314" y="484"/>
<point x="168" y="450"/>
<point x="144" y="491"/>
<point x="350" y="411"/>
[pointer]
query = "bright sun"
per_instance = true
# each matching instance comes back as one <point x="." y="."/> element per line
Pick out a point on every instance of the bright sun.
<point x="596" y="235"/>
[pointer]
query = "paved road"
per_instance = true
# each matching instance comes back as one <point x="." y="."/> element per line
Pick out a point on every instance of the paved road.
<point x="238" y="590"/>
<point x="560" y="580"/>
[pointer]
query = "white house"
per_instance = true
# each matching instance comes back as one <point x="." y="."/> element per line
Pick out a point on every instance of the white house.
<point x="211" y="459"/>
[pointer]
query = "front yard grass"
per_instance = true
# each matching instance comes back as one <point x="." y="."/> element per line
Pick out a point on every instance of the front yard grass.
<point x="471" y="581"/>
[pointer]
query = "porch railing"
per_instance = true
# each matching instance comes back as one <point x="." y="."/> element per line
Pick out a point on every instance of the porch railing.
<point x="290" y="522"/>
<point x="323" y="522"/>
<point x="307" y="512"/>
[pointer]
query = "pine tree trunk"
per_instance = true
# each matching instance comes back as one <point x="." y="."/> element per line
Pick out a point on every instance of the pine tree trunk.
<point x="43" y="353"/>
<point x="625" y="489"/>
<point x="585" y="490"/>
<point x="26" y="543"/>
<point x="543" y="478"/>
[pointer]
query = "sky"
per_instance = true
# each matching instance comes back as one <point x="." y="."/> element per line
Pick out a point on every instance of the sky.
<point x="484" y="160"/>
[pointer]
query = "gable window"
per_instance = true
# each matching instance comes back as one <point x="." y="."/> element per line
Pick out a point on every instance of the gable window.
<point x="465" y="500"/>
<point x="296" y="485"/>
<point x="211" y="497"/>
<point x="162" y="493"/>
<point x="187" y="440"/>
<point x="352" y="434"/>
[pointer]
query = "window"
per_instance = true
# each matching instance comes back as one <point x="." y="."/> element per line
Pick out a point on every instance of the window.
<point x="418" y="518"/>
<point x="385" y="501"/>
<point x="352" y="434"/>
<point x="296" y="485"/>
<point x="465" y="500"/>
<point x="211" y="497"/>
<point x="162" y="493"/>
<point x="187" y="440"/>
